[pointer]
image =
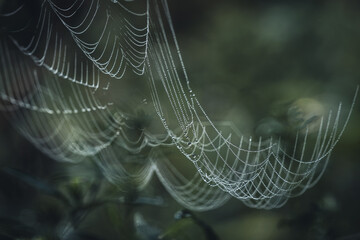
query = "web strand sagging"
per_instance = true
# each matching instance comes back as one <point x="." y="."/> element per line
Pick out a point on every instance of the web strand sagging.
<point x="59" y="62"/>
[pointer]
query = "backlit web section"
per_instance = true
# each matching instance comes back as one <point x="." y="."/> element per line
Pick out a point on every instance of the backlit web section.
<point x="57" y="76"/>
<point x="63" y="67"/>
<point x="263" y="173"/>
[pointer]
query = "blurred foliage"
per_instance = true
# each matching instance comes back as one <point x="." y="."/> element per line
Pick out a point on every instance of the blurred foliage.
<point x="249" y="61"/>
<point x="187" y="226"/>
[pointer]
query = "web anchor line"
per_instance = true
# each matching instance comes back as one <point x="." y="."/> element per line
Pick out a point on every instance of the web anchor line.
<point x="52" y="87"/>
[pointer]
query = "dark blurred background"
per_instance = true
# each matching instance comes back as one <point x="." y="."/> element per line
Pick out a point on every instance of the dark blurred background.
<point x="247" y="61"/>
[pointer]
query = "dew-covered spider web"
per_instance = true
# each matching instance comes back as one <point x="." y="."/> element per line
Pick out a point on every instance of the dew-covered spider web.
<point x="71" y="72"/>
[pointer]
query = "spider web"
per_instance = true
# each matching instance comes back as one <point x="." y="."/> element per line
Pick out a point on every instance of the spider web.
<point x="62" y="61"/>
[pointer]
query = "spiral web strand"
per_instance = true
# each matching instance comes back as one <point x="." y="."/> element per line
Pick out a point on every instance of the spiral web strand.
<point x="57" y="64"/>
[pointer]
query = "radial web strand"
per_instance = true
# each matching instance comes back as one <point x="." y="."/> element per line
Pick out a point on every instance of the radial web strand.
<point x="63" y="65"/>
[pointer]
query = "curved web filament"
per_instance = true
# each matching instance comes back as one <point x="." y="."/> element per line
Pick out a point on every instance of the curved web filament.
<point x="262" y="173"/>
<point x="59" y="65"/>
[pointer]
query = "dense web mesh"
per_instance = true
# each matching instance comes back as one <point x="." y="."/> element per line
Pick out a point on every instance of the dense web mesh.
<point x="63" y="65"/>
